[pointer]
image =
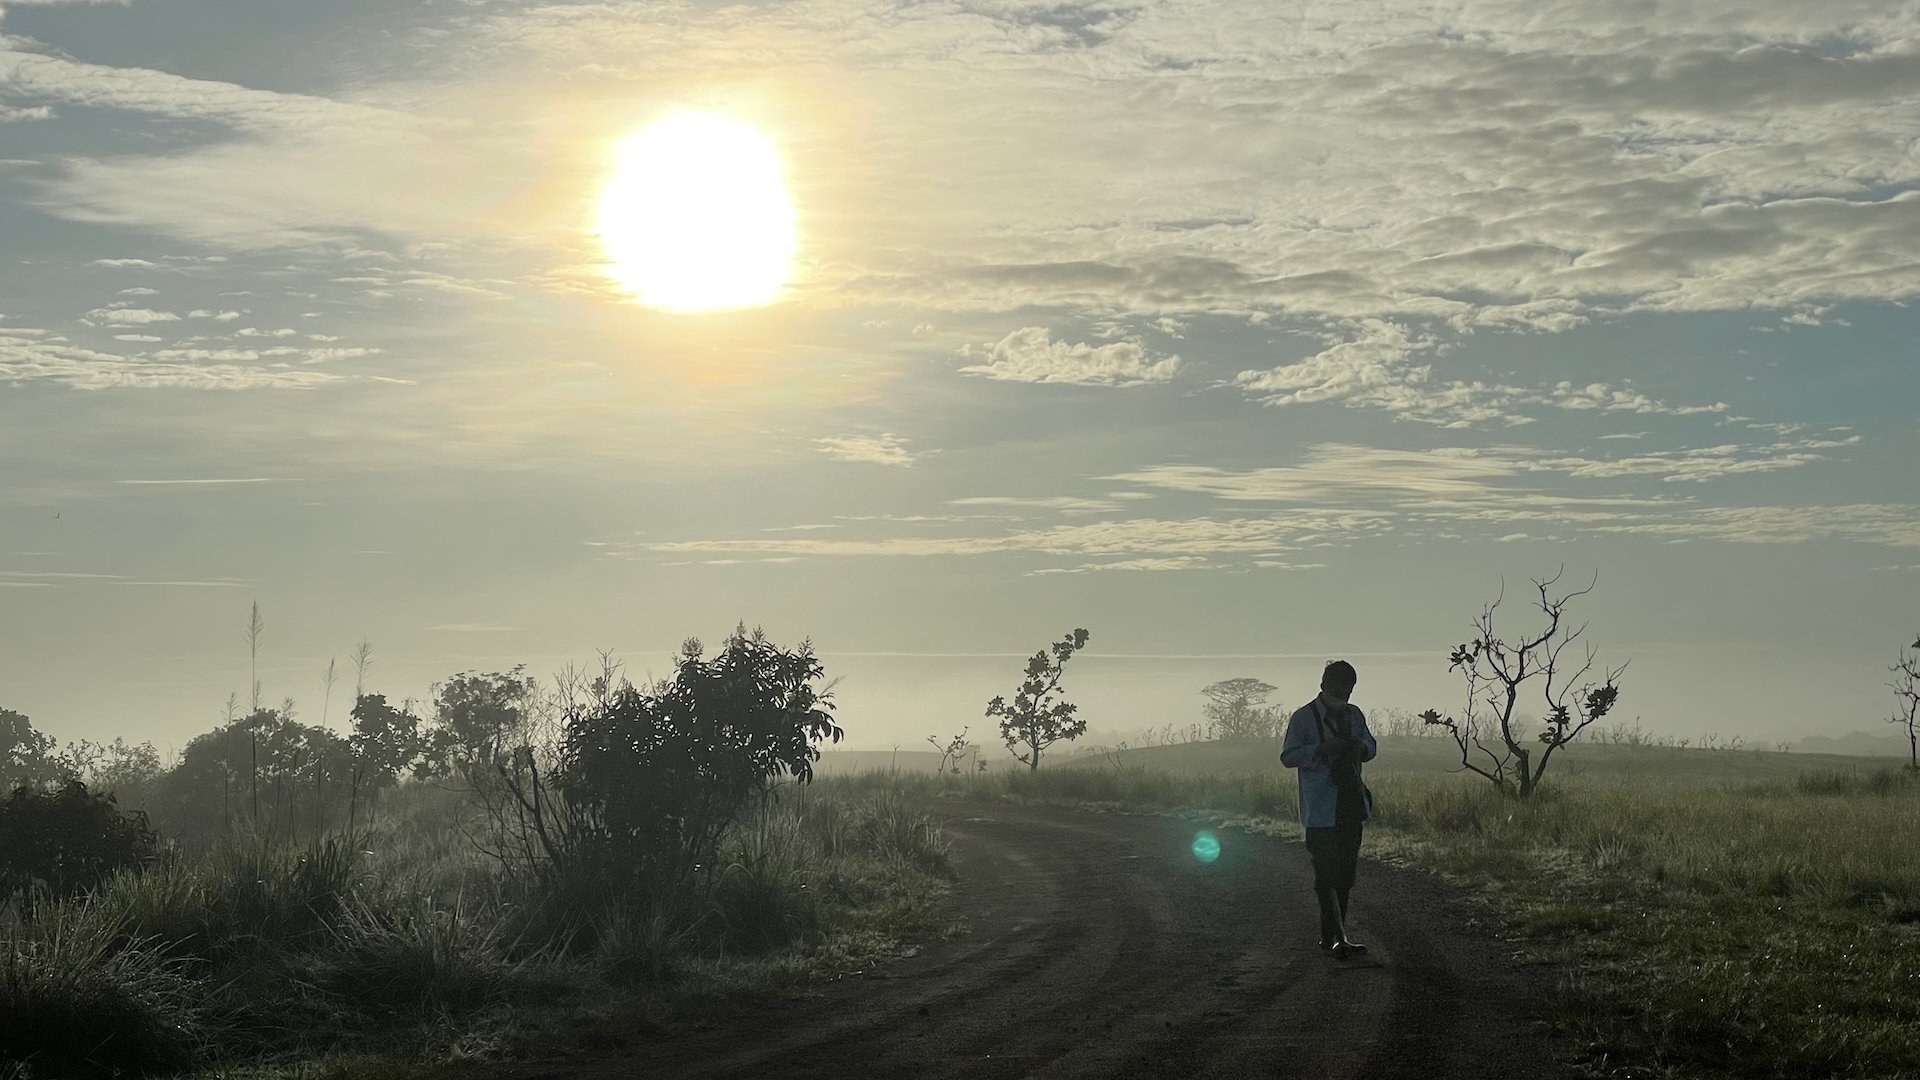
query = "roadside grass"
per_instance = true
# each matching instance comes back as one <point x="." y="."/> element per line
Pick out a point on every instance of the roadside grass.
<point x="407" y="945"/>
<point x="1713" y="913"/>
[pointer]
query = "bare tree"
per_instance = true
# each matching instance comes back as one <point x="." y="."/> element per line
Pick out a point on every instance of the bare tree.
<point x="1496" y="669"/>
<point x="952" y="751"/>
<point x="1906" y="692"/>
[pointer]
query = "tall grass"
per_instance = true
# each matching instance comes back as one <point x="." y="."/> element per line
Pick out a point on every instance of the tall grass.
<point x="406" y="937"/>
<point x="82" y="995"/>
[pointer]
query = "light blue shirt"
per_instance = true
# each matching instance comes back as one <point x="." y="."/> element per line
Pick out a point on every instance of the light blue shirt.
<point x="1301" y="750"/>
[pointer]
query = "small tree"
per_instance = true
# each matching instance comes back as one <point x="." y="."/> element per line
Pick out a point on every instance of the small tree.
<point x="26" y="755"/>
<point x="1489" y="733"/>
<point x="387" y="741"/>
<point x="1038" y="718"/>
<point x="1237" y="708"/>
<point x="476" y="718"/>
<point x="1906" y="692"/>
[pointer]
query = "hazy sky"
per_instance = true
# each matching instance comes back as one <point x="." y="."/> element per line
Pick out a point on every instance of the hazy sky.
<point x="1243" y="334"/>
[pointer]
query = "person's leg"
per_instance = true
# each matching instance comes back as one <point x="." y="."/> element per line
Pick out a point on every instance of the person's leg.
<point x="1347" y="852"/>
<point x="1323" y="847"/>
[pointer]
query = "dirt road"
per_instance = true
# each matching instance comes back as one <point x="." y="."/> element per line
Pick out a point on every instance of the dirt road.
<point x="1102" y="947"/>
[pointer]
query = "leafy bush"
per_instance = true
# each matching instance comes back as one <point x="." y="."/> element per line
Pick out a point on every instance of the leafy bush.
<point x="654" y="780"/>
<point x="67" y="841"/>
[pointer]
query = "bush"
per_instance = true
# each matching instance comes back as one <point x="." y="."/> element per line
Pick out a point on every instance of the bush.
<point x="67" y="841"/>
<point x="654" y="780"/>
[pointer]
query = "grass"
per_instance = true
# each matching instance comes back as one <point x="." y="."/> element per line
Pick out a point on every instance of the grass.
<point x="406" y="944"/>
<point x="1715" y="913"/>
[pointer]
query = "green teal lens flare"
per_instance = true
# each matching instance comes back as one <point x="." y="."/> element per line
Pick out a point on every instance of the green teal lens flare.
<point x="1206" y="847"/>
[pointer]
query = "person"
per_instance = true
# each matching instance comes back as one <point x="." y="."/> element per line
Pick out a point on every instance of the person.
<point x="1327" y="740"/>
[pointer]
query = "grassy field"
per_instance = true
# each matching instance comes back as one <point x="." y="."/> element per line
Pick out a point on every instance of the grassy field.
<point x="1714" y="913"/>
<point x="408" y="945"/>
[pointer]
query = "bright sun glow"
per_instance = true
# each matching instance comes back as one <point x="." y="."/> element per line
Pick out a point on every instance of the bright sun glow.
<point x="696" y="215"/>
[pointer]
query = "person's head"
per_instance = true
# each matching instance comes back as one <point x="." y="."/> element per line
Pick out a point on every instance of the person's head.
<point x="1338" y="680"/>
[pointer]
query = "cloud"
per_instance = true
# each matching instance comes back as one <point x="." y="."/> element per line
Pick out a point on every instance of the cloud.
<point x="1891" y="525"/>
<point x="1694" y="465"/>
<point x="1336" y="474"/>
<point x="883" y="449"/>
<point x="213" y="583"/>
<point x="1189" y="562"/>
<point x="1136" y="537"/>
<point x="1031" y="355"/>
<point x="1372" y="365"/>
<point x="1599" y="396"/>
<point x="130" y="264"/>
<point x="205" y="355"/>
<point x="1347" y="474"/>
<point x="62" y="80"/>
<point x="212" y="480"/>
<point x="1066" y="504"/>
<point x="330" y="355"/>
<point x="1369" y="369"/>
<point x="12" y="115"/>
<point x="27" y="359"/>
<point x="129" y="316"/>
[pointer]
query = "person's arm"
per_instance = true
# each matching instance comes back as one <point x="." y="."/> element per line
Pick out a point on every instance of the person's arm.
<point x="1302" y="740"/>
<point x="1369" y="746"/>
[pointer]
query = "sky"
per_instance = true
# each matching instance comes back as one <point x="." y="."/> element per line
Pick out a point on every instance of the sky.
<point x="1244" y="334"/>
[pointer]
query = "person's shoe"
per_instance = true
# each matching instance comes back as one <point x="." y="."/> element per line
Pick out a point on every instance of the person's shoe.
<point x="1347" y="947"/>
<point x="1327" y="946"/>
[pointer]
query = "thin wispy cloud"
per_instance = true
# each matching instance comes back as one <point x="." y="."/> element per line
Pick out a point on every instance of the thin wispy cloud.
<point x="883" y="449"/>
<point x="211" y="480"/>
<point x="31" y="360"/>
<point x="188" y="583"/>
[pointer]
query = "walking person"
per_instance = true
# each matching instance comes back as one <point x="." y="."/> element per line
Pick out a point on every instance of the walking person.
<point x="1327" y="740"/>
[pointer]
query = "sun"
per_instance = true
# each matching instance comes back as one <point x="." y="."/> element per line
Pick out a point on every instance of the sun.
<point x="696" y="216"/>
